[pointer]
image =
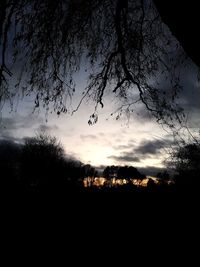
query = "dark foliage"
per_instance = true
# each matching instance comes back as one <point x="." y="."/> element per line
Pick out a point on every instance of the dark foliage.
<point x="122" y="172"/>
<point x="42" y="161"/>
<point x="10" y="154"/>
<point x="164" y="175"/>
<point x="129" y="172"/>
<point x="123" y="44"/>
<point x="186" y="161"/>
<point x="174" y="14"/>
<point x="40" y="164"/>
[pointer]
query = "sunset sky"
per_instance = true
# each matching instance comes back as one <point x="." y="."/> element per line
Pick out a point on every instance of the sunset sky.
<point x="139" y="141"/>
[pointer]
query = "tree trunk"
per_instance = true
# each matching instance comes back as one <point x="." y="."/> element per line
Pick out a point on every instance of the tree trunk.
<point x="182" y="19"/>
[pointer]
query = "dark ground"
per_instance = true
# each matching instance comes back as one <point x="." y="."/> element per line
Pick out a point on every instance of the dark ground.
<point x="100" y="228"/>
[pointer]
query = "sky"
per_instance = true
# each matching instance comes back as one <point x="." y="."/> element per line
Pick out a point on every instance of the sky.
<point x="138" y="141"/>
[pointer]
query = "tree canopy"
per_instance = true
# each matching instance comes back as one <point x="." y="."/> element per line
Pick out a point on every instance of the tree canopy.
<point x="122" y="172"/>
<point x="123" y="44"/>
<point x="185" y="161"/>
<point x="40" y="162"/>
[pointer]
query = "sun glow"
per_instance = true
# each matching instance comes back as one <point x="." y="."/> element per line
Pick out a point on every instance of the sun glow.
<point x="115" y="182"/>
<point x="96" y="155"/>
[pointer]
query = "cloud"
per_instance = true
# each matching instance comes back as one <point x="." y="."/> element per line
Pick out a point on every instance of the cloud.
<point x="16" y="128"/>
<point x="47" y="128"/>
<point x="130" y="144"/>
<point x="190" y="95"/>
<point x="146" y="149"/>
<point x="85" y="137"/>
<point x="142" y="115"/>
<point x="19" y="122"/>
<point x="8" y="126"/>
<point x="152" y="147"/>
<point x="125" y="157"/>
<point x="121" y="147"/>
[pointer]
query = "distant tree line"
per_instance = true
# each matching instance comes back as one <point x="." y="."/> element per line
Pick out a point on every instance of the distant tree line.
<point x="40" y="163"/>
<point x="122" y="172"/>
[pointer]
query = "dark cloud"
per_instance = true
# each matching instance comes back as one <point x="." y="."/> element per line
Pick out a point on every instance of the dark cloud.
<point x="9" y="125"/>
<point x="125" y="157"/>
<point x="142" y="114"/>
<point x="152" y="147"/>
<point x="127" y="146"/>
<point x="88" y="137"/>
<point x="19" y="122"/>
<point x="121" y="147"/>
<point x="144" y="150"/>
<point x="190" y="95"/>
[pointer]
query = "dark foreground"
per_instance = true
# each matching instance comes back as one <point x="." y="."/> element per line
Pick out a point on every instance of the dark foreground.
<point x="100" y="227"/>
<point x="99" y="203"/>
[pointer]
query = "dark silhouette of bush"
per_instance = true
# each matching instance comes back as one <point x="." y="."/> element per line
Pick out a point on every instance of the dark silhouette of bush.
<point x="9" y="162"/>
<point x="110" y="171"/>
<point x="164" y="175"/>
<point x="187" y="165"/>
<point x="74" y="173"/>
<point x="89" y="171"/>
<point x="42" y="162"/>
<point x="128" y="172"/>
<point x="124" y="172"/>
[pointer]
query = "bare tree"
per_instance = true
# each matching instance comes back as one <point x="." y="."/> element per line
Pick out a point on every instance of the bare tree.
<point x="124" y="44"/>
<point x="185" y="160"/>
<point x="42" y="161"/>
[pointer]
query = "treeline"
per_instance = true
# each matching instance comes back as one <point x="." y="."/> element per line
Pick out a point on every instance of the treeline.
<point x="40" y="163"/>
<point x="122" y="172"/>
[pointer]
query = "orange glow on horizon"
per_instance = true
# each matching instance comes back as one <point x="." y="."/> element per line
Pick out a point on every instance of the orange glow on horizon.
<point x="114" y="182"/>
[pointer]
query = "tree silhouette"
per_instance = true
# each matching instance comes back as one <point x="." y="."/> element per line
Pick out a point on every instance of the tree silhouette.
<point x="110" y="172"/>
<point x="89" y="171"/>
<point x="129" y="172"/>
<point x="174" y="16"/>
<point x="42" y="161"/>
<point x="164" y="175"/>
<point x="123" y="45"/>
<point x="186" y="160"/>
<point x="122" y="172"/>
<point x="9" y="162"/>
